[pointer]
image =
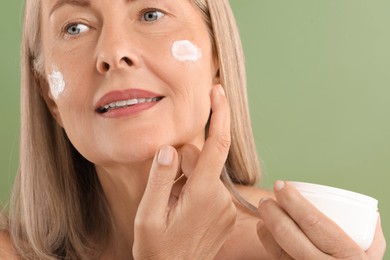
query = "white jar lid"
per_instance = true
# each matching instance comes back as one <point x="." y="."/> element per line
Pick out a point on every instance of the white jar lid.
<point x="336" y="192"/>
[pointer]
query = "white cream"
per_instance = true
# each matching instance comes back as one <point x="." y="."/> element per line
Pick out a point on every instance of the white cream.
<point x="56" y="83"/>
<point x="186" y="51"/>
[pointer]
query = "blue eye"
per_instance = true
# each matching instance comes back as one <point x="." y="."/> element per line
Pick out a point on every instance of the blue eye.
<point x="151" y="16"/>
<point x="76" y="29"/>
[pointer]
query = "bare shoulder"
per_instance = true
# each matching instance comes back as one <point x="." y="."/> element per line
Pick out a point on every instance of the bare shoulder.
<point x="7" y="250"/>
<point x="244" y="242"/>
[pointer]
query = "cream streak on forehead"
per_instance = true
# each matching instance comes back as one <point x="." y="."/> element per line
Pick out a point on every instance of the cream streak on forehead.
<point x="186" y="51"/>
<point x="56" y="83"/>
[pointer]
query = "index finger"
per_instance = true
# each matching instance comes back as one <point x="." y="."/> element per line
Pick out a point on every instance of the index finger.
<point x="216" y="148"/>
<point x="159" y="186"/>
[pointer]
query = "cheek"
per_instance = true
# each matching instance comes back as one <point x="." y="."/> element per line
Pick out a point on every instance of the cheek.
<point x="71" y="92"/>
<point x="191" y="63"/>
<point x="69" y="66"/>
<point x="74" y="83"/>
<point x="197" y="70"/>
<point x="191" y="75"/>
<point x="56" y="83"/>
<point x="65" y="89"/>
<point x="185" y="50"/>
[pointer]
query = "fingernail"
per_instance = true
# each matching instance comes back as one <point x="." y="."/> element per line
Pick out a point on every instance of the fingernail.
<point x="221" y="90"/>
<point x="165" y="156"/>
<point x="279" y="185"/>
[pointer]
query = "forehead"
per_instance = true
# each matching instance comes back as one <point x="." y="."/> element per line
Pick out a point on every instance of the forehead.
<point x="58" y="3"/>
<point x="55" y="4"/>
<point x="50" y="6"/>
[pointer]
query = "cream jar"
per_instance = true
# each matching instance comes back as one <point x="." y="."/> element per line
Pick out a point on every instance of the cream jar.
<point x="355" y="213"/>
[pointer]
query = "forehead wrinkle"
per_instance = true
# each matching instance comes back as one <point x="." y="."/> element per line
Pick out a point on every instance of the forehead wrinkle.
<point x="83" y="3"/>
<point x="60" y="3"/>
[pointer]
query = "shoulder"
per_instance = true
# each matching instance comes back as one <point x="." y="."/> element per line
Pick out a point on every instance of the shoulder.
<point x="244" y="242"/>
<point x="7" y="250"/>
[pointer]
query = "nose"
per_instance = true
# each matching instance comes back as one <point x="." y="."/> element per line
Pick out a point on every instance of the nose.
<point x="116" y="51"/>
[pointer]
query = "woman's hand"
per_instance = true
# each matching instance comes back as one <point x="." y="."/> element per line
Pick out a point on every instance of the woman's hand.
<point x="292" y="228"/>
<point x="195" y="222"/>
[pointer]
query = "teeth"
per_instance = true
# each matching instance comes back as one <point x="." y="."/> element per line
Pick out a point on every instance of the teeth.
<point x="120" y="103"/>
<point x="129" y="102"/>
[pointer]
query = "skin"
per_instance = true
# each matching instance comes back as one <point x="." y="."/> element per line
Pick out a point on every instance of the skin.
<point x="156" y="215"/>
<point x="292" y="228"/>
<point x="7" y="251"/>
<point x="123" y="149"/>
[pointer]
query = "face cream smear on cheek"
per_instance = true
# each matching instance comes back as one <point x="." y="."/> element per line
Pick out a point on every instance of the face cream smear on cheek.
<point x="56" y="83"/>
<point x="186" y="51"/>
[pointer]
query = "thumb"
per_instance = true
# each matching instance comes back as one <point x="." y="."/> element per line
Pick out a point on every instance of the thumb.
<point x="158" y="189"/>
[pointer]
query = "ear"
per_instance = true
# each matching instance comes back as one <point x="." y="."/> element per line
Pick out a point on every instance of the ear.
<point x="51" y="104"/>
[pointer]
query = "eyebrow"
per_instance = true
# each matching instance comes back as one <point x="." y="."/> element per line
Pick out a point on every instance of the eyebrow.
<point x="61" y="3"/>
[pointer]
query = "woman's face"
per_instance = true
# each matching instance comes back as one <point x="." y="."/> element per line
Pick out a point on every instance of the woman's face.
<point x="127" y="76"/>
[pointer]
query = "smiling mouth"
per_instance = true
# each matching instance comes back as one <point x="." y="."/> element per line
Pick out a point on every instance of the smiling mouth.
<point x="126" y="103"/>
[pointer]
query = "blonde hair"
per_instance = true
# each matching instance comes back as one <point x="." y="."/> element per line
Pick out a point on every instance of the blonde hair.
<point x="57" y="194"/>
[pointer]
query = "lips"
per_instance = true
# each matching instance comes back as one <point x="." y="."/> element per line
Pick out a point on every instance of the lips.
<point x="124" y="99"/>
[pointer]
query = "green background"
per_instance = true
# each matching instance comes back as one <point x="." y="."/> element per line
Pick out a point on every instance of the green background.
<point x="318" y="77"/>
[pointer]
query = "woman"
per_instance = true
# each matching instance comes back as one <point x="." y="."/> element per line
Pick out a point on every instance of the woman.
<point x="120" y="155"/>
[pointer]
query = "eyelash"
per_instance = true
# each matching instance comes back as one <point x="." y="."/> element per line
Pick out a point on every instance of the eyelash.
<point x="147" y="10"/>
<point x="65" y="28"/>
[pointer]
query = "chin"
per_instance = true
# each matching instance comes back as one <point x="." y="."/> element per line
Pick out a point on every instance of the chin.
<point x="136" y="153"/>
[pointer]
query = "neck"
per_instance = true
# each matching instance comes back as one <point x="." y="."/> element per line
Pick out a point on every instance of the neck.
<point x="123" y="188"/>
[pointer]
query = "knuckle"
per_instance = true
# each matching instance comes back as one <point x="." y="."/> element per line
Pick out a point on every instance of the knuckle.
<point x="146" y="224"/>
<point x="199" y="191"/>
<point x="311" y="220"/>
<point x="281" y="229"/>
<point x="223" y="202"/>
<point x="226" y="200"/>
<point x="158" y="181"/>
<point x="230" y="217"/>
<point x="140" y="223"/>
<point x="223" y="143"/>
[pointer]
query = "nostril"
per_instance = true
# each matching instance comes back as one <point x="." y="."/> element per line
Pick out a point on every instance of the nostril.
<point x="128" y="61"/>
<point x="106" y="66"/>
